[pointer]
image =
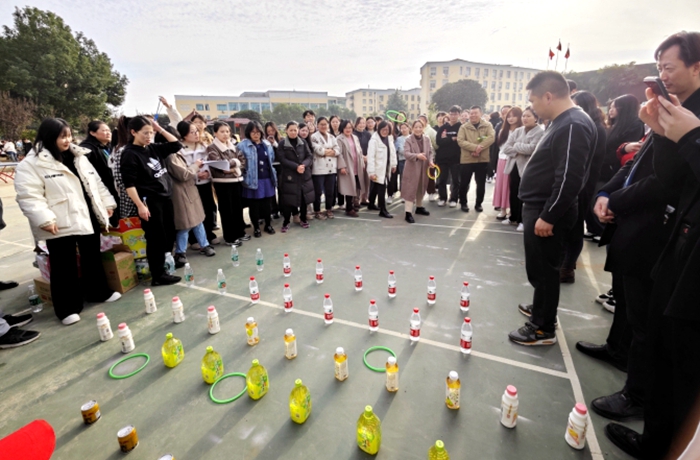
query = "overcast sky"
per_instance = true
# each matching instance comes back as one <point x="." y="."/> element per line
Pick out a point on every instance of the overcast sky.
<point x="226" y="47"/>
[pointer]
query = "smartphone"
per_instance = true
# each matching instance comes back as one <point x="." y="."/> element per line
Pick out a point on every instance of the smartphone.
<point x="657" y="86"/>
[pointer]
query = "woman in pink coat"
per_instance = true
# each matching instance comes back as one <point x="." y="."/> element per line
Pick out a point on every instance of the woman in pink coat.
<point x="414" y="182"/>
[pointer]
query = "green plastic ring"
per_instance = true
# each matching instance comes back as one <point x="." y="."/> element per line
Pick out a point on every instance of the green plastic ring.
<point x="137" y="355"/>
<point x="395" y="118"/>
<point x="371" y="349"/>
<point x="230" y="400"/>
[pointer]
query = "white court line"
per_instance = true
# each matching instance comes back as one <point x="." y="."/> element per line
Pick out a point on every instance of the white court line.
<point x="469" y="220"/>
<point x="592" y="439"/>
<point x="531" y="367"/>
<point x="468" y="228"/>
<point x="357" y="218"/>
<point x="16" y="244"/>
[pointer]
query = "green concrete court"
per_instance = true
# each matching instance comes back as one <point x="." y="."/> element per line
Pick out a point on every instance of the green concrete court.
<point x="171" y="409"/>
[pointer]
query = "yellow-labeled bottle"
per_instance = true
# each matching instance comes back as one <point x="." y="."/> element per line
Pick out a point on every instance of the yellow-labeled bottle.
<point x="438" y="452"/>
<point x="290" y="344"/>
<point x="392" y="375"/>
<point x="341" y="364"/>
<point x="251" y="331"/>
<point x="369" y="431"/>
<point x="452" y="390"/>
<point x="172" y="351"/>
<point x="212" y="366"/>
<point x="299" y="402"/>
<point x="257" y="381"/>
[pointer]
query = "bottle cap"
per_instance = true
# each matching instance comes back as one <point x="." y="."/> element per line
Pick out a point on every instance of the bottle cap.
<point x="357" y="267"/>
<point x="176" y="299"/>
<point x="256" y="362"/>
<point x="511" y="390"/>
<point x="187" y="265"/>
<point x="453" y="375"/>
<point x="391" y="360"/>
<point x="415" y="310"/>
<point x="286" y="255"/>
<point x="289" y="332"/>
<point x="259" y="250"/>
<point x="368" y="410"/>
<point x="122" y="326"/>
<point x="146" y="291"/>
<point x="391" y="272"/>
<point x="252" y="278"/>
<point x="169" y="335"/>
<point x="467" y="320"/>
<point x="211" y="308"/>
<point x="581" y="408"/>
<point x="210" y="349"/>
<point x="439" y="445"/>
<point x="100" y="315"/>
<point x="327" y="296"/>
<point x="286" y="285"/>
<point x="466" y="283"/>
<point x="220" y="271"/>
<point x="297" y="382"/>
<point x="250" y="320"/>
<point x="318" y="260"/>
<point x="432" y="278"/>
<point x="339" y="351"/>
<point x="372" y="301"/>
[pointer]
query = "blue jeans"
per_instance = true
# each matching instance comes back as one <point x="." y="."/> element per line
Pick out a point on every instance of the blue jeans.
<point x="181" y="238"/>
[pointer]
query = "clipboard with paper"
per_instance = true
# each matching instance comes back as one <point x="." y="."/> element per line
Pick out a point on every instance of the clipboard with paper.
<point x="218" y="164"/>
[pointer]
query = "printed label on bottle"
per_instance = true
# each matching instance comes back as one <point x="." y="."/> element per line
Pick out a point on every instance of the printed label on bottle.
<point x="358" y="284"/>
<point x="328" y="316"/>
<point x="431" y="295"/>
<point x="259" y="262"/>
<point x="319" y="276"/>
<point x="290" y="349"/>
<point x="464" y="303"/>
<point x="465" y="343"/>
<point x="392" y="381"/>
<point x="255" y="296"/>
<point x="252" y="335"/>
<point x="105" y="332"/>
<point x="151" y="306"/>
<point x="341" y="370"/>
<point x="287" y="269"/>
<point x="213" y="324"/>
<point x="415" y="332"/>
<point x="34" y="300"/>
<point x="392" y="290"/>
<point x="234" y="258"/>
<point x="452" y="398"/>
<point x="189" y="278"/>
<point x="374" y="322"/>
<point x="288" y="304"/>
<point x="127" y="344"/>
<point x="222" y="284"/>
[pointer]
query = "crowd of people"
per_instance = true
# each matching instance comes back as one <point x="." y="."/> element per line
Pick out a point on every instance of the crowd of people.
<point x="563" y="171"/>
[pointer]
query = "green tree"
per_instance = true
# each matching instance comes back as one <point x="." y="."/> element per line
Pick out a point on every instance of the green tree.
<point x="15" y="115"/>
<point x="464" y="93"/>
<point x="281" y="114"/>
<point x="249" y="114"/>
<point x="614" y="80"/>
<point x="343" y="112"/>
<point x="396" y="102"/>
<point x="64" y="74"/>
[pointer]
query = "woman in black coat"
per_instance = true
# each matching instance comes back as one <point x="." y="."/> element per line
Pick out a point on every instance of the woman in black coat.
<point x="296" y="187"/>
<point x="99" y="142"/>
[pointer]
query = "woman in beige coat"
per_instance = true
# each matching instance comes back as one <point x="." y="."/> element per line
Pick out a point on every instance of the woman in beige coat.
<point x="351" y="168"/>
<point x="418" y="151"/>
<point x="187" y="206"/>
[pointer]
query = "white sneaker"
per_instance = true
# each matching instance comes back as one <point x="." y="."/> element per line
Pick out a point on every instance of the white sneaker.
<point x="433" y="197"/>
<point x="114" y="297"/>
<point x="520" y="228"/>
<point x="389" y="200"/>
<point x="506" y="222"/>
<point x="441" y="203"/>
<point x="501" y="214"/>
<point x="71" y="319"/>
<point x="453" y="204"/>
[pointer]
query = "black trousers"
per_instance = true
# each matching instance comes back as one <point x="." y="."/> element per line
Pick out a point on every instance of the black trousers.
<point x="393" y="185"/>
<point x="543" y="259"/>
<point x="159" y="230"/>
<point x="620" y="335"/>
<point x="68" y="290"/>
<point x="230" y="209"/>
<point x="324" y="184"/>
<point x="259" y="209"/>
<point x="449" y="171"/>
<point x="593" y="224"/>
<point x="638" y="293"/>
<point x="466" y="171"/>
<point x="377" y="190"/>
<point x="516" y="206"/>
<point x="574" y="241"/>
<point x="289" y="211"/>
<point x="206" y="194"/>
<point x="350" y="199"/>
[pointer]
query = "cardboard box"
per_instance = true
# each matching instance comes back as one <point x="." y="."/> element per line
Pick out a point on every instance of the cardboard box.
<point x="129" y="223"/>
<point x="120" y="269"/>
<point x="43" y="289"/>
<point x="135" y="239"/>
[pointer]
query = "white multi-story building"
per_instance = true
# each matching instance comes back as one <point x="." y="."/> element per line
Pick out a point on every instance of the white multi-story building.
<point x="368" y="101"/>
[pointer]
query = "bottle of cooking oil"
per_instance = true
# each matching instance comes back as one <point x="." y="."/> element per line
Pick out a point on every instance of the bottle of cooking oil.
<point x="392" y="375"/>
<point x="369" y="431"/>
<point x="299" y="402"/>
<point x="257" y="380"/>
<point x="438" y="452"/>
<point x="452" y="390"/>
<point x="290" y="344"/>
<point x="212" y="366"/>
<point x="172" y="351"/>
<point x="341" y="364"/>
<point x="251" y="331"/>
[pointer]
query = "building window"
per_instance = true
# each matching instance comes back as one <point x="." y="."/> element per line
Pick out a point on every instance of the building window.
<point x="507" y="85"/>
<point x="266" y="106"/>
<point x="486" y="72"/>
<point x="206" y="106"/>
<point x="493" y="96"/>
<point x="507" y="96"/>
<point x="500" y="74"/>
<point x="493" y="85"/>
<point x="413" y="97"/>
<point x="476" y="72"/>
<point x="381" y="98"/>
<point x="461" y="69"/>
<point x="413" y="106"/>
<point x="484" y="84"/>
<point x="364" y="101"/>
<point x="500" y="85"/>
<point x="432" y="84"/>
<point x="508" y="74"/>
<point x="520" y="97"/>
<point x="521" y="85"/>
<point x="200" y="106"/>
<point x="491" y="109"/>
<point x="468" y="72"/>
<point x="222" y="117"/>
<point x="364" y="109"/>
<point x="255" y="106"/>
<point x="244" y="106"/>
<point x="370" y="101"/>
<point x="381" y="107"/>
<point x="528" y="76"/>
<point x="499" y="96"/>
<point x="233" y="106"/>
<point x="222" y="107"/>
<point x="433" y="71"/>
<point x="364" y="93"/>
<point x="445" y="70"/>
<point x="208" y="117"/>
<point x="521" y="75"/>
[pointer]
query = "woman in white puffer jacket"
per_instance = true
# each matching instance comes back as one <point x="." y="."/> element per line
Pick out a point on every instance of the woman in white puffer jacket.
<point x="66" y="204"/>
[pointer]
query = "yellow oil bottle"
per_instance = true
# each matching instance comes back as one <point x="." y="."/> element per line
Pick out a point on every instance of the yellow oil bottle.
<point x="212" y="366"/>
<point x="257" y="381"/>
<point x="369" y="431"/>
<point x="438" y="452"/>
<point x="172" y="351"/>
<point x="299" y="402"/>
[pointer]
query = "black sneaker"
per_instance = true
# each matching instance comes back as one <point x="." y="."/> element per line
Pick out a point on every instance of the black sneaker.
<point x="603" y="297"/>
<point x="422" y="211"/>
<point x="180" y="260"/>
<point x="166" y="280"/>
<point x="530" y="335"/>
<point x="525" y="309"/>
<point x="245" y="237"/>
<point x="465" y="208"/>
<point x="478" y="208"/>
<point x="18" y="337"/>
<point x="5" y="285"/>
<point x="609" y="305"/>
<point x="17" y="321"/>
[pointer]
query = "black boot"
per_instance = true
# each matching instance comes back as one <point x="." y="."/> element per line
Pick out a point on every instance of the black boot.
<point x="409" y="218"/>
<point x="384" y="213"/>
<point x="422" y="211"/>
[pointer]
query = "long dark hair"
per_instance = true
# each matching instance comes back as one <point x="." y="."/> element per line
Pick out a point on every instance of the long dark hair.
<point x="330" y="126"/>
<point x="183" y="129"/>
<point x="136" y="124"/>
<point x="627" y="107"/>
<point x="588" y="102"/>
<point x="252" y="126"/>
<point x="344" y="124"/>
<point x="49" y="131"/>
<point x="382" y="124"/>
<point x="505" y="128"/>
<point x="274" y="126"/>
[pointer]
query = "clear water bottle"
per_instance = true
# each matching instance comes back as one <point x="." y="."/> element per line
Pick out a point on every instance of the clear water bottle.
<point x="415" y="325"/>
<point x="287" y="266"/>
<point x="221" y="281"/>
<point x="327" y="309"/>
<point x="465" y="341"/>
<point x="392" y="284"/>
<point x="319" y="271"/>
<point x="432" y="290"/>
<point x="254" y="291"/>
<point x="373" y="316"/>
<point x="169" y="266"/>
<point x="234" y="256"/>
<point x="287" y="295"/>
<point x="189" y="275"/>
<point x="259" y="261"/>
<point x="34" y="300"/>
<point x="358" y="278"/>
<point x="464" y="298"/>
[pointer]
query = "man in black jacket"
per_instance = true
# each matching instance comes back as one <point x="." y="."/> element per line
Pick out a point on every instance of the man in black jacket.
<point x="673" y="349"/>
<point x="448" y="157"/>
<point x="549" y="190"/>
